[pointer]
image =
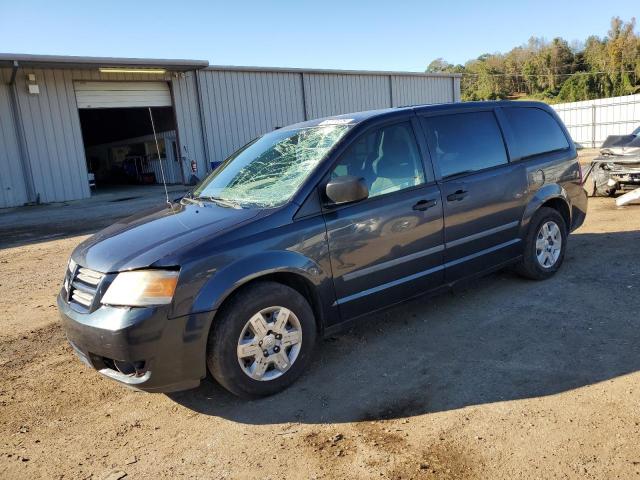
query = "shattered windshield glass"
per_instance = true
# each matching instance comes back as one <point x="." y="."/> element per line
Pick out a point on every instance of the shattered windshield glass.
<point x="268" y="171"/>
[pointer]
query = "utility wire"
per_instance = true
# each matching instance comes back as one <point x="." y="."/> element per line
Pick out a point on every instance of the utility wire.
<point x="544" y="74"/>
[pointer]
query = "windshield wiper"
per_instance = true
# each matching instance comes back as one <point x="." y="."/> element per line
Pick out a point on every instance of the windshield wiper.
<point x="195" y="201"/>
<point x="222" y="201"/>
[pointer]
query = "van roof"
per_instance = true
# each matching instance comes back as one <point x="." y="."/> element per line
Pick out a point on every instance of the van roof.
<point x="358" y="117"/>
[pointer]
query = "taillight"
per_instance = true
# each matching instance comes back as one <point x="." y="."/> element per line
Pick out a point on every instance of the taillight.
<point x="580" y="174"/>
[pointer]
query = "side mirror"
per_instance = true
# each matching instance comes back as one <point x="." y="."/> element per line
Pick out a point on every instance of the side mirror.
<point x="346" y="189"/>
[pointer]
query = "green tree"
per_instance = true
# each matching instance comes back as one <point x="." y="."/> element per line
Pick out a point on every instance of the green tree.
<point x="439" y="65"/>
<point x="556" y="70"/>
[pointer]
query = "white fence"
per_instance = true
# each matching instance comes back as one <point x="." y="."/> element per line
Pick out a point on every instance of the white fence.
<point x="591" y="121"/>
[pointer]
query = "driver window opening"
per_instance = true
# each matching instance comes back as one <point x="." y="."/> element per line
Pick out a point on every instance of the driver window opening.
<point x="387" y="159"/>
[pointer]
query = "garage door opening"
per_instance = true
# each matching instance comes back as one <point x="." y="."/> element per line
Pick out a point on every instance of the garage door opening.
<point x="117" y="133"/>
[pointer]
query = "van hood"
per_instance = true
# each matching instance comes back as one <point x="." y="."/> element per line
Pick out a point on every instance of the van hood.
<point x="148" y="237"/>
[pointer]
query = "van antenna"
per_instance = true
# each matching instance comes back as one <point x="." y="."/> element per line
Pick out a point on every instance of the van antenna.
<point x="155" y="137"/>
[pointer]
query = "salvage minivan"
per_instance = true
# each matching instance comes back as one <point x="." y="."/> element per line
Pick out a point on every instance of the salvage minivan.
<point x="316" y="224"/>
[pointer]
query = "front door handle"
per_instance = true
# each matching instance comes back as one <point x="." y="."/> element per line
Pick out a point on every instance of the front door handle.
<point x="457" y="196"/>
<point x="423" y="205"/>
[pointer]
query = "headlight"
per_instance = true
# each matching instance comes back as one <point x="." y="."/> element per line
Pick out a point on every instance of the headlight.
<point x="71" y="268"/>
<point x="142" y="288"/>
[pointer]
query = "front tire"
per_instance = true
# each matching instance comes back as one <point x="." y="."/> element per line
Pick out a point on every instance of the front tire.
<point x="261" y="340"/>
<point x="545" y="245"/>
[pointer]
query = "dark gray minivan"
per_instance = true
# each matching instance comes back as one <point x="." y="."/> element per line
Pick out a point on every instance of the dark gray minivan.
<point x="316" y="224"/>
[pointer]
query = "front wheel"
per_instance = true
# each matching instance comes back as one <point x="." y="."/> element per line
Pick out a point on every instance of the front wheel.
<point x="261" y="340"/>
<point x="545" y="245"/>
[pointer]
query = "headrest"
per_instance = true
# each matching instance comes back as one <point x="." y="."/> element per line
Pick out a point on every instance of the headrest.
<point x="447" y="143"/>
<point x="395" y="161"/>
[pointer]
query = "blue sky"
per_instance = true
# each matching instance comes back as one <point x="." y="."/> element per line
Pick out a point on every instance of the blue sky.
<point x="347" y="34"/>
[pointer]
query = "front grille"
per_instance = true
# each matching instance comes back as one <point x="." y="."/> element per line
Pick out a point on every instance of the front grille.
<point x="83" y="286"/>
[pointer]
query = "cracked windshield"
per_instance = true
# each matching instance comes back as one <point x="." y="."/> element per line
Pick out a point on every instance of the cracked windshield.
<point x="267" y="172"/>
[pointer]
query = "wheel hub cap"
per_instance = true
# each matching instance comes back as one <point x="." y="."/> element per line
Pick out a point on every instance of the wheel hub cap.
<point x="548" y="244"/>
<point x="269" y="343"/>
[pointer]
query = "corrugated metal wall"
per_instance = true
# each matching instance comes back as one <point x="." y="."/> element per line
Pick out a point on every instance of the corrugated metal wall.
<point x="12" y="185"/>
<point x="414" y="90"/>
<point x="53" y="136"/>
<point x="332" y="94"/>
<point x="234" y="105"/>
<point x="190" y="135"/>
<point x="239" y="105"/>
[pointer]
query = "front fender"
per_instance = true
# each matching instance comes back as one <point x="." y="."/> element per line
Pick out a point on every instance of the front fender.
<point x="545" y="193"/>
<point x="236" y="274"/>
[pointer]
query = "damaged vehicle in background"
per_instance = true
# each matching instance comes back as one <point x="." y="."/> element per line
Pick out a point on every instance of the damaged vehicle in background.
<point x="622" y="144"/>
<point x="618" y="166"/>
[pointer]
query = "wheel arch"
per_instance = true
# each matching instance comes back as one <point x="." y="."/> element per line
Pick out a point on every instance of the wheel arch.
<point x="552" y="196"/>
<point x="293" y="280"/>
<point x="287" y="268"/>
<point x="561" y="205"/>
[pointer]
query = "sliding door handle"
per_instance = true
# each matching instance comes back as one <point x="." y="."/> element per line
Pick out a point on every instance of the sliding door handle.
<point x="457" y="196"/>
<point x="423" y="205"/>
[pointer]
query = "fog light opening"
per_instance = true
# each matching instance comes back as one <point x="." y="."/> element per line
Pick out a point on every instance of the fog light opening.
<point x="132" y="369"/>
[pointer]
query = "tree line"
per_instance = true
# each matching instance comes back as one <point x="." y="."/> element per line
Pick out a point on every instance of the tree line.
<point x="555" y="71"/>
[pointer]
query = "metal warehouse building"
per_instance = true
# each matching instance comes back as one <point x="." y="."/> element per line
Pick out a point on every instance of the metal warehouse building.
<point x="66" y="120"/>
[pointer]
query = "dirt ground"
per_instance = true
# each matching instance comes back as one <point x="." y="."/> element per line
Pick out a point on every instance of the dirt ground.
<point x="54" y="221"/>
<point x="507" y="379"/>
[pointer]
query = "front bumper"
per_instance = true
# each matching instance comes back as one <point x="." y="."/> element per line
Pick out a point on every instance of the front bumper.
<point x="168" y="354"/>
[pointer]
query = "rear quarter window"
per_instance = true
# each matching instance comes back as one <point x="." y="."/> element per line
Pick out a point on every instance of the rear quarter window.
<point x="535" y="132"/>
<point x="465" y="142"/>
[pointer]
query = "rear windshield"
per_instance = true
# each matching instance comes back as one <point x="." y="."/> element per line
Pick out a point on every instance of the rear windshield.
<point x="268" y="172"/>
<point x="535" y="132"/>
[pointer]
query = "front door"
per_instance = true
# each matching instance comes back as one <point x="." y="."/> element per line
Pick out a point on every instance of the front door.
<point x="389" y="246"/>
<point x="483" y="194"/>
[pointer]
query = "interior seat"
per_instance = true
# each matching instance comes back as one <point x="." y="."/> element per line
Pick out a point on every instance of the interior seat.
<point x="395" y="169"/>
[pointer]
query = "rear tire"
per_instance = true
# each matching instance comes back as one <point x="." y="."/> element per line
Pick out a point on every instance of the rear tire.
<point x="542" y="255"/>
<point x="247" y="335"/>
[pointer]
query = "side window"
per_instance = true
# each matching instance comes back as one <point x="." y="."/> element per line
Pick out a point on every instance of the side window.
<point x="535" y="131"/>
<point x="387" y="158"/>
<point x="465" y="142"/>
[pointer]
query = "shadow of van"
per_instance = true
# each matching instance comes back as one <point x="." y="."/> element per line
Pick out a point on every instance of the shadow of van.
<point x="503" y="339"/>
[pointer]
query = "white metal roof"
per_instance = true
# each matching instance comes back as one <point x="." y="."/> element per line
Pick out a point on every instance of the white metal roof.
<point x="80" y="62"/>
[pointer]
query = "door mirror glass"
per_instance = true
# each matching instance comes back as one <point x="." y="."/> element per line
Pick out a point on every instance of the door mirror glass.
<point x="346" y="189"/>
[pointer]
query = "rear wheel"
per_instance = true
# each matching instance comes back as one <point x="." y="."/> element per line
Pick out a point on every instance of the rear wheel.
<point x="262" y="340"/>
<point x="545" y="245"/>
